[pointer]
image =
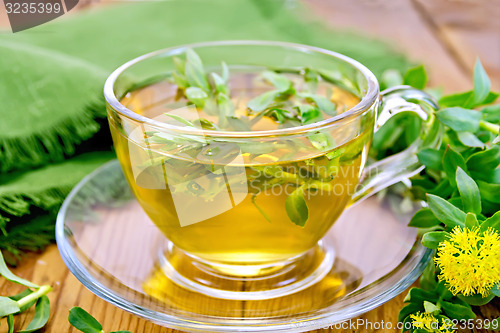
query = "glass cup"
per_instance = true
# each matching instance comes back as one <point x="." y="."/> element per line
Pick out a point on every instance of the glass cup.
<point x="253" y="205"/>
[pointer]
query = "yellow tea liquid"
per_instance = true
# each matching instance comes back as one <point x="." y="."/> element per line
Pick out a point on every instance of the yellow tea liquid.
<point x="252" y="225"/>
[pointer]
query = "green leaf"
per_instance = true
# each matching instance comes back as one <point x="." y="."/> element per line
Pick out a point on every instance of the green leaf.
<point x="8" y="306"/>
<point x="482" y="84"/>
<point x="225" y="72"/>
<point x="196" y="95"/>
<point x="460" y="119"/>
<point x="180" y="80"/>
<point x="296" y="207"/>
<point x="491" y="222"/>
<point x="457" y="311"/>
<point x="42" y="313"/>
<point x="496" y="290"/>
<point x="490" y="192"/>
<point x="205" y="124"/>
<point x="263" y="101"/>
<point x="408" y="310"/>
<point x="195" y="73"/>
<point x="424" y="218"/>
<point x="7" y="274"/>
<point x="322" y="141"/>
<point x="432" y="239"/>
<point x="179" y="119"/>
<point x="323" y="103"/>
<point x="179" y="64"/>
<point x="476" y="299"/>
<point x="390" y="78"/>
<point x="431" y="158"/>
<point x="417" y="295"/>
<point x="220" y="84"/>
<point x="431" y="308"/>
<point x="309" y="114"/>
<point x="226" y="109"/>
<point x="416" y="77"/>
<point x="469" y="192"/>
<point x="445" y="212"/>
<point x="471" y="221"/>
<point x="83" y="321"/>
<point x="10" y="323"/>
<point x="470" y="140"/>
<point x="279" y="81"/>
<point x="488" y="159"/>
<point x="428" y="278"/>
<point x="452" y="160"/>
<point x="238" y="124"/>
<point x="464" y="99"/>
<point x="491" y="113"/>
<point x="22" y="294"/>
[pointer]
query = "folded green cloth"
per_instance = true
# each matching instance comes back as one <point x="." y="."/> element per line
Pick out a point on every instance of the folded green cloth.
<point x="52" y="76"/>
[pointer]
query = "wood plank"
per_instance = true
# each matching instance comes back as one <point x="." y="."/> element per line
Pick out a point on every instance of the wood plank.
<point x="399" y="23"/>
<point x="470" y="30"/>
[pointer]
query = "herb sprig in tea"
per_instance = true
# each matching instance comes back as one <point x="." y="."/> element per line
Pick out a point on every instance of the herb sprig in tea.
<point x="286" y="104"/>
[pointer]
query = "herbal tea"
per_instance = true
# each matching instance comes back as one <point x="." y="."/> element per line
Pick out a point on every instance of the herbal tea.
<point x="240" y="200"/>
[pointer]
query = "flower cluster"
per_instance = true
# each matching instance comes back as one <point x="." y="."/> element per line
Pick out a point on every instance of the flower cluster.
<point x="470" y="261"/>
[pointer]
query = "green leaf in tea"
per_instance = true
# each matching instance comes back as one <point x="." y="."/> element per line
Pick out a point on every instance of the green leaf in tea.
<point x="196" y="95"/>
<point x="220" y="84"/>
<point x="309" y="114"/>
<point x="416" y="77"/>
<point x="226" y="109"/>
<point x="296" y="207"/>
<point x="180" y="119"/>
<point x="195" y="73"/>
<point x="323" y="103"/>
<point x="263" y="101"/>
<point x="279" y="81"/>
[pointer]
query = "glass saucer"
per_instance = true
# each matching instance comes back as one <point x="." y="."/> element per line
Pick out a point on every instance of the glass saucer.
<point x="112" y="247"/>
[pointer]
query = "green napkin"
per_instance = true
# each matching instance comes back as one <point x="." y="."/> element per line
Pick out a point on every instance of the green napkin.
<point x="52" y="76"/>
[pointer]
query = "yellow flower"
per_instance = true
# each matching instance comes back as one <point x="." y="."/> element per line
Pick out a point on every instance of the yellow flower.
<point x="427" y="322"/>
<point x="470" y="261"/>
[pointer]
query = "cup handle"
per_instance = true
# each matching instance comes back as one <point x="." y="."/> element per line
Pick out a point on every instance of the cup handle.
<point x="405" y="164"/>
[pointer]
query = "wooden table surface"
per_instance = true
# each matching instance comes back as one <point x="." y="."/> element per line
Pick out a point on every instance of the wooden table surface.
<point x="446" y="35"/>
